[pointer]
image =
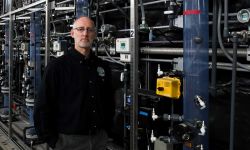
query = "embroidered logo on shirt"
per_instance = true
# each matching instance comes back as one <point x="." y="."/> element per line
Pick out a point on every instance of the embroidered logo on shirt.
<point x="100" y="71"/>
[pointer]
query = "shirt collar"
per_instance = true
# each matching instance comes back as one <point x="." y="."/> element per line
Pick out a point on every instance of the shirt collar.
<point x="79" y="57"/>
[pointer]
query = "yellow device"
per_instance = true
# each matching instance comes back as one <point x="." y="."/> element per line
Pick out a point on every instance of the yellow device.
<point x="168" y="87"/>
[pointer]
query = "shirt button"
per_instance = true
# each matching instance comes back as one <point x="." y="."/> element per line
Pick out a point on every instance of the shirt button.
<point x="93" y="111"/>
<point x="80" y="62"/>
<point x="92" y="96"/>
<point x="90" y="82"/>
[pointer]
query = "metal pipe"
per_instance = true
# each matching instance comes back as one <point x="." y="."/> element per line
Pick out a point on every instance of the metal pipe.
<point x="121" y="10"/>
<point x="32" y="11"/>
<point x="214" y="49"/>
<point x="17" y="18"/>
<point x="147" y="68"/>
<point x="127" y="7"/>
<point x="233" y="91"/>
<point x="220" y="65"/>
<point x="82" y="7"/>
<point x="47" y="31"/>
<point x="177" y="51"/>
<point x="143" y="18"/>
<point x="3" y="5"/>
<point x="97" y="25"/>
<point x="220" y="38"/>
<point x="65" y="8"/>
<point x="155" y="27"/>
<point x="225" y="31"/>
<point x="134" y="74"/>
<point x="10" y="68"/>
<point x="23" y="8"/>
<point x="63" y="2"/>
<point x="125" y="96"/>
<point x="195" y="64"/>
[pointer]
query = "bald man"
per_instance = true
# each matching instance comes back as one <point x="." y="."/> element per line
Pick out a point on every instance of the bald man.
<point x="74" y="109"/>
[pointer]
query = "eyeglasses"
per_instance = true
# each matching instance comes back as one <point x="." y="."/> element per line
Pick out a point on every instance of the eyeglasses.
<point x="82" y="29"/>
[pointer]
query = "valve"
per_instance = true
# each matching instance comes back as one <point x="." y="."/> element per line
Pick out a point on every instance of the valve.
<point x="152" y="137"/>
<point x="154" y="116"/>
<point x="199" y="102"/>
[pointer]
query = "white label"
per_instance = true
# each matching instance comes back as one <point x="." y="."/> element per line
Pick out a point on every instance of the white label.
<point x="125" y="57"/>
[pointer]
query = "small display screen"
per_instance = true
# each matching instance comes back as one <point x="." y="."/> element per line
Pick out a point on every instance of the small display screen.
<point x="123" y="45"/>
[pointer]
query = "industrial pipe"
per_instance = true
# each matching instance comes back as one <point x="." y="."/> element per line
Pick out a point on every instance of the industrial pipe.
<point x="195" y="64"/>
<point x="214" y="50"/>
<point x="233" y="90"/>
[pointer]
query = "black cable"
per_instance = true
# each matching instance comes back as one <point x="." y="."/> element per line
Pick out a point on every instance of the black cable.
<point x="233" y="91"/>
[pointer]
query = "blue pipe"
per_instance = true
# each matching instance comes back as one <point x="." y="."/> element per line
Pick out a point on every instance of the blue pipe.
<point x="196" y="55"/>
<point x="34" y="52"/>
<point x="82" y="8"/>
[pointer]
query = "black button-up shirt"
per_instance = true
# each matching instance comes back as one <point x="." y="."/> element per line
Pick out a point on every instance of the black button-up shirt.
<point x="75" y="96"/>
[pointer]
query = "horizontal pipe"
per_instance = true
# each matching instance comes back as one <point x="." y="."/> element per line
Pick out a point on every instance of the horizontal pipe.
<point x="63" y="2"/>
<point x="23" y="8"/>
<point x="31" y="11"/>
<point x="64" y="8"/>
<point x="220" y="65"/>
<point x="127" y="7"/>
<point x="242" y="52"/>
<point x="17" y="18"/>
<point x="172" y="51"/>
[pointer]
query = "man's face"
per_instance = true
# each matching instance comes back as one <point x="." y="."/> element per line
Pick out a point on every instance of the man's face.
<point x="83" y="33"/>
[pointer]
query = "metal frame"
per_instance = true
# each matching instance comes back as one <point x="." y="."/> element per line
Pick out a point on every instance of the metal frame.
<point x="10" y="68"/>
<point x="23" y="8"/>
<point x="10" y="16"/>
<point x="134" y="28"/>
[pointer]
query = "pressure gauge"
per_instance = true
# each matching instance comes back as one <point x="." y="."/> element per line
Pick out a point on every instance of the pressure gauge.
<point x="243" y="16"/>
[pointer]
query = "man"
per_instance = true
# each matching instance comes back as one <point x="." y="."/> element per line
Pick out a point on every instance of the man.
<point x="74" y="108"/>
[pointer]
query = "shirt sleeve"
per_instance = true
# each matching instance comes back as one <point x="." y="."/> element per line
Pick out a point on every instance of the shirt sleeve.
<point x="44" y="108"/>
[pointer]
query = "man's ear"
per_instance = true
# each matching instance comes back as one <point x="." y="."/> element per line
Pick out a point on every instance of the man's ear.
<point x="72" y="33"/>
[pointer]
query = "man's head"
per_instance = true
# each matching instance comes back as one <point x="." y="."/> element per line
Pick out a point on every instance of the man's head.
<point x="84" y="33"/>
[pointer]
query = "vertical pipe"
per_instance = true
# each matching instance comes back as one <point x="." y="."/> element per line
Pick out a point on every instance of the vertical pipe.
<point x="31" y="74"/>
<point x="147" y="81"/>
<point x="134" y="74"/>
<point x="97" y="25"/>
<point x="3" y="7"/>
<point x="47" y="34"/>
<point x="125" y="96"/>
<point x="225" y="31"/>
<point x="10" y="68"/>
<point x="81" y="8"/>
<point x="6" y="60"/>
<point x="196" y="54"/>
<point x="34" y="54"/>
<point x="47" y="37"/>
<point x="232" y="111"/>
<point x="214" y="49"/>
<point x="143" y="18"/>
<point x="37" y="77"/>
<point x="7" y="3"/>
